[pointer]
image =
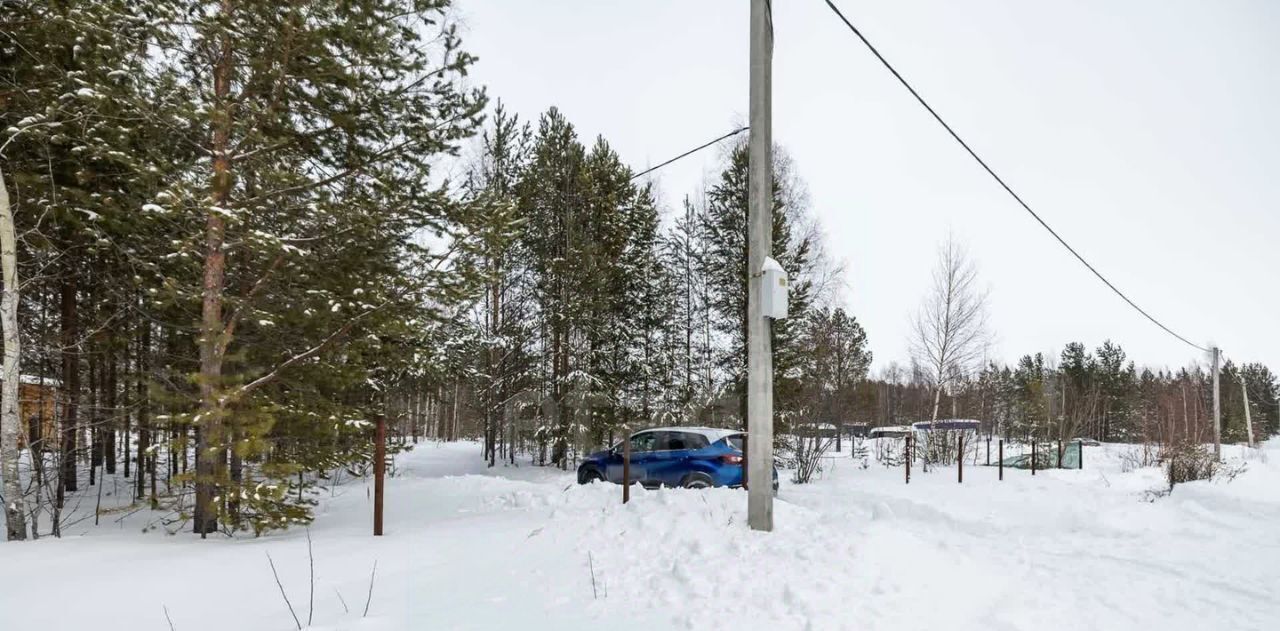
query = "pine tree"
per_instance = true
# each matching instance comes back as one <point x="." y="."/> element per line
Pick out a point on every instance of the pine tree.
<point x="726" y="227"/>
<point x="75" y="137"/>
<point x="491" y="187"/>
<point x="321" y="122"/>
<point x="836" y="360"/>
<point x="552" y="203"/>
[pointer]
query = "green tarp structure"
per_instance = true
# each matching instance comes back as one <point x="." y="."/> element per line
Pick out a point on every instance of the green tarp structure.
<point x="1047" y="457"/>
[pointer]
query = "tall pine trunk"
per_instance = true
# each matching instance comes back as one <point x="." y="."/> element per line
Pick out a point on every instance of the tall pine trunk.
<point x="94" y="411"/>
<point x="495" y="377"/>
<point x="144" y="422"/>
<point x="210" y="453"/>
<point x="109" y="430"/>
<point x="70" y="378"/>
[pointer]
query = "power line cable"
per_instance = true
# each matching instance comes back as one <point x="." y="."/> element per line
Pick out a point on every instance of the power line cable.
<point x="1001" y="181"/>
<point x="690" y="152"/>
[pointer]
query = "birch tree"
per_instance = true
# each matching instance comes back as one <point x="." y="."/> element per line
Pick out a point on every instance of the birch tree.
<point x="15" y="524"/>
<point x="949" y="333"/>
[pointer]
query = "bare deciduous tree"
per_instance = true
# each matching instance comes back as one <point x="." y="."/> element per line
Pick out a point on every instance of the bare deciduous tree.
<point x="949" y="334"/>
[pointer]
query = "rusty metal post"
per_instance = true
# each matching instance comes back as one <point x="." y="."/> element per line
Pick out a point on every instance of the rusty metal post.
<point x="1000" y="458"/>
<point x="626" y="469"/>
<point x="379" y="471"/>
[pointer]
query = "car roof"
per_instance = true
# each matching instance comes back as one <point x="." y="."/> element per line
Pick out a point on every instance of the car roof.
<point x="713" y="434"/>
<point x="891" y="428"/>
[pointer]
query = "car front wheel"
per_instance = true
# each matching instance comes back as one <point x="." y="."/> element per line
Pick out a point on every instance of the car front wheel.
<point x="587" y="476"/>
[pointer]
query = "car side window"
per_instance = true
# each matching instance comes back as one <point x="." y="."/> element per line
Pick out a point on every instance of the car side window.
<point x="672" y="441"/>
<point x="680" y="441"/>
<point x="696" y="441"/>
<point x="644" y="441"/>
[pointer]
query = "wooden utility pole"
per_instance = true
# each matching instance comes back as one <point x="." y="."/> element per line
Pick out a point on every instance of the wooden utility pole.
<point x="1217" y="405"/>
<point x="379" y="472"/>
<point x="1248" y="418"/>
<point x="760" y="219"/>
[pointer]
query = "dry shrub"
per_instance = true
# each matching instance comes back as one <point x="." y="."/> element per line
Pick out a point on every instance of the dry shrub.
<point x="808" y="456"/>
<point x="1138" y="457"/>
<point x="1187" y="461"/>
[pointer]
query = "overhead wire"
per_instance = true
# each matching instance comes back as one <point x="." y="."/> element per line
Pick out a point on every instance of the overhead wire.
<point x="1001" y="181"/>
<point x="690" y="152"/>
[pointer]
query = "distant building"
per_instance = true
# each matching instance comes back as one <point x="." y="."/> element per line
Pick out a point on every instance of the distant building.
<point x="37" y="409"/>
<point x="856" y="430"/>
<point x="948" y="424"/>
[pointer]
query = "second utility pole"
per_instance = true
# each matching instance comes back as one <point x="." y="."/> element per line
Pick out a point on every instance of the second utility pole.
<point x="760" y="220"/>
<point x="1217" y="405"/>
<point x="1248" y="418"/>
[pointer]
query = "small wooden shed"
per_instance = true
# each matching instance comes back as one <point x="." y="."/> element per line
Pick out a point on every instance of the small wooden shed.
<point x="37" y="407"/>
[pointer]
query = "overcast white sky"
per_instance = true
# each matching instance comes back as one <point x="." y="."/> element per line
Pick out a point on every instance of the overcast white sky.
<point x="1144" y="131"/>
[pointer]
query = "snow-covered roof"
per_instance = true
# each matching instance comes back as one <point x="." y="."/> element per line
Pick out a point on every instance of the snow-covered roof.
<point x="35" y="380"/>
<point x="821" y="426"/>
<point x="948" y="423"/>
<point x="712" y="433"/>
<point x="890" y="428"/>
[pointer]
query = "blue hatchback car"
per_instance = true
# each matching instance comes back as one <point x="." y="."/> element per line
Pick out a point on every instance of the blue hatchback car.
<point x="689" y="457"/>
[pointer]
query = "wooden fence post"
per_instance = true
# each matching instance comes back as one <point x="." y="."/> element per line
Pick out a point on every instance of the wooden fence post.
<point x="379" y="472"/>
<point x="1059" y="453"/>
<point x="1080" y="451"/>
<point x="1033" y="456"/>
<point x="1000" y="458"/>
<point x="960" y="459"/>
<point x="626" y="469"/>
<point x="906" y="459"/>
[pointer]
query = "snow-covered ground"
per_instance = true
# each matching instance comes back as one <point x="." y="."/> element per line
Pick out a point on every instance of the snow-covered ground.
<point x="471" y="548"/>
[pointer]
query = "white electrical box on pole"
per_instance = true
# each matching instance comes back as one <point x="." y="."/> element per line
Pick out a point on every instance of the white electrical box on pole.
<point x="1217" y="405"/>
<point x="774" y="285"/>
<point x="760" y="222"/>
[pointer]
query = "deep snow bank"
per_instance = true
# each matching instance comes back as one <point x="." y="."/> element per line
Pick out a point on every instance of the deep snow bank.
<point x="473" y="548"/>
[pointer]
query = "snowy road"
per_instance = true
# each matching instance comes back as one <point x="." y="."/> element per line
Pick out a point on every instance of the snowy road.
<point x="470" y="548"/>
